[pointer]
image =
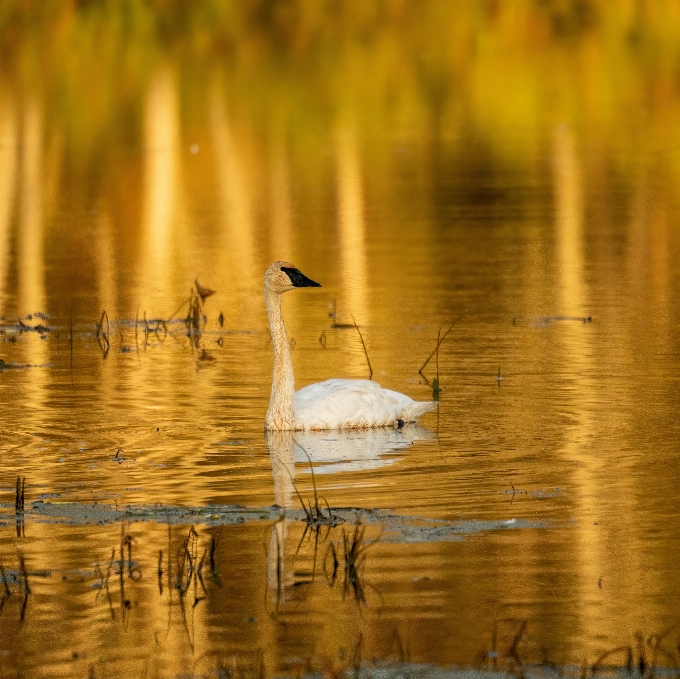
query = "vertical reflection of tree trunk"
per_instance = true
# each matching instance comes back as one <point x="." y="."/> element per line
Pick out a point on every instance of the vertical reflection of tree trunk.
<point x="236" y="244"/>
<point x="351" y="230"/>
<point x="106" y="266"/>
<point x="568" y="223"/>
<point x="161" y="142"/>
<point x="30" y="243"/>
<point x="8" y="172"/>
<point x="577" y="365"/>
<point x="659" y="260"/>
<point x="31" y="264"/>
<point x="281" y="221"/>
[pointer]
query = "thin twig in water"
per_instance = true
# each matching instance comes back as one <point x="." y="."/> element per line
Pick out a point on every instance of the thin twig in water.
<point x="27" y="588"/>
<point x="363" y="344"/>
<point x="595" y="667"/>
<point x="396" y="641"/>
<point x="20" y="494"/>
<point x="179" y="308"/>
<point x="100" y="326"/>
<point x="355" y="555"/>
<point x="314" y="514"/>
<point x="435" y="381"/>
<point x="440" y="339"/>
<point x="103" y="334"/>
<point x="297" y="492"/>
<point x="4" y="581"/>
<point x="214" y="542"/>
<point x="311" y="469"/>
<point x="334" y="316"/>
<point x="139" y="358"/>
<point x="512" y="651"/>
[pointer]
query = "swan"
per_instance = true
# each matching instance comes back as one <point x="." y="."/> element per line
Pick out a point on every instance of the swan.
<point x="333" y="404"/>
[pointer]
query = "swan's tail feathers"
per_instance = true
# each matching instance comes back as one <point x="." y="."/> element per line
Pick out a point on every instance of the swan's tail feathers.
<point x="414" y="410"/>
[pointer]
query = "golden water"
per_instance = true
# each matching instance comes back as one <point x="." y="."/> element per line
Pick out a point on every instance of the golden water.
<point x="510" y="167"/>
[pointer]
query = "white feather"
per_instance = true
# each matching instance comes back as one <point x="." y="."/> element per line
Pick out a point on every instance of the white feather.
<point x="353" y="404"/>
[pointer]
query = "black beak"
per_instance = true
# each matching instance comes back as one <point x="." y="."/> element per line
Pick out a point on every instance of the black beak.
<point x="298" y="279"/>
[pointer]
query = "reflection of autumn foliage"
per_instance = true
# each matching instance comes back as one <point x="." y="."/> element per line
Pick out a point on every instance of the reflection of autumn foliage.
<point x="429" y="65"/>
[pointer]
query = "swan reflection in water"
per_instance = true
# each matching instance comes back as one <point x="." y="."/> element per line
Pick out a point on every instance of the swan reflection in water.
<point x="330" y="452"/>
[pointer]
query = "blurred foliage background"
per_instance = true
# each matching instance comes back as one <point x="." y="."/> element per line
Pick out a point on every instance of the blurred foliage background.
<point x="435" y="67"/>
<point x="448" y="103"/>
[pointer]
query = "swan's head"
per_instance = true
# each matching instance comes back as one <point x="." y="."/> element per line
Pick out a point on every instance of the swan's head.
<point x="283" y="276"/>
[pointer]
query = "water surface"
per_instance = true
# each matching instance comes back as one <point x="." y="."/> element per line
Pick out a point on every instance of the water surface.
<point x="513" y="189"/>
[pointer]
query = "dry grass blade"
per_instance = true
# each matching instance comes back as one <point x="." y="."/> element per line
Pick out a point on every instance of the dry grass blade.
<point x="435" y="382"/>
<point x="20" y="494"/>
<point x="331" y="551"/>
<point x="655" y="642"/>
<point x="27" y="587"/>
<point x="440" y="339"/>
<point x="179" y="308"/>
<point x="103" y="335"/>
<point x="214" y="542"/>
<point x="402" y="651"/>
<point x="363" y="344"/>
<point x="354" y="553"/>
<point x="100" y="326"/>
<point x="193" y="319"/>
<point x="357" y="657"/>
<point x="159" y="572"/>
<point x="334" y="315"/>
<point x="313" y="513"/>
<point x="311" y="469"/>
<point x="297" y="492"/>
<point x="199" y="571"/>
<point x="512" y="651"/>
<point x="4" y="581"/>
<point x="629" y="658"/>
<point x="104" y="582"/>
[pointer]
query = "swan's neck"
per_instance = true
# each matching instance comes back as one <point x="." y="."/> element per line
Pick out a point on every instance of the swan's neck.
<point x="281" y="413"/>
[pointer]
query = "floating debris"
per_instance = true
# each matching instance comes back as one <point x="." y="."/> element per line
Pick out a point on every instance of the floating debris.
<point x="396" y="527"/>
<point x="203" y="292"/>
<point x="21" y="366"/>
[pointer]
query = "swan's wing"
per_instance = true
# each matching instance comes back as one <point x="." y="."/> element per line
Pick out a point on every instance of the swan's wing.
<point x="338" y="404"/>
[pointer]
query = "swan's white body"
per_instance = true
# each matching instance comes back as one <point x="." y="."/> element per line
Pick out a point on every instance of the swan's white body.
<point x="353" y="404"/>
<point x="333" y="404"/>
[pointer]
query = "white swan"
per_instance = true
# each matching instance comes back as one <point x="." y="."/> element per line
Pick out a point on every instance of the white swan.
<point x="333" y="404"/>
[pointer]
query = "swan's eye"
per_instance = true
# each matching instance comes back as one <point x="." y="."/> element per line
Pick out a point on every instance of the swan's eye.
<point x="298" y="279"/>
